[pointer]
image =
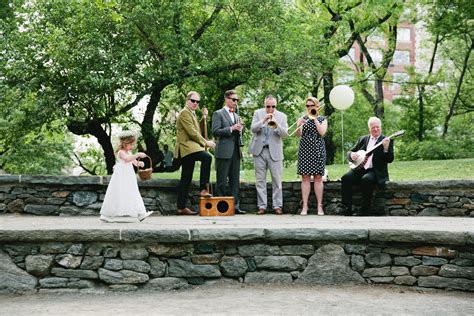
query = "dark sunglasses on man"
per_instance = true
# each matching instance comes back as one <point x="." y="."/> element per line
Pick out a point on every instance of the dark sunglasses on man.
<point x="270" y="106"/>
<point x="233" y="99"/>
<point x="194" y="101"/>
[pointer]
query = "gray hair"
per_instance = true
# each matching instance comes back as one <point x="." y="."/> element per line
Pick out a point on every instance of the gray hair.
<point x="270" y="97"/>
<point x="374" y="119"/>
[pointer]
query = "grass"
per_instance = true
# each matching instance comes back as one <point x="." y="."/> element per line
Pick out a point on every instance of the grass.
<point x="457" y="169"/>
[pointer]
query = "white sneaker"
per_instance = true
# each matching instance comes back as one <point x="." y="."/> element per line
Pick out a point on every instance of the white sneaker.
<point x="141" y="217"/>
<point x="106" y="219"/>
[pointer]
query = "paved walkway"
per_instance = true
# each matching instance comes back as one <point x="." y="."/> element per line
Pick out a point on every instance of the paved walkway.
<point x="447" y="224"/>
<point x="240" y="299"/>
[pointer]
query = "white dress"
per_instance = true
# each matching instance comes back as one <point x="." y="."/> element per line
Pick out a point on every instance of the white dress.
<point x="123" y="197"/>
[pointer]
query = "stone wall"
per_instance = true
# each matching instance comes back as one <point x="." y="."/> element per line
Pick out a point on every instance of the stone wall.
<point x="82" y="266"/>
<point x="66" y="196"/>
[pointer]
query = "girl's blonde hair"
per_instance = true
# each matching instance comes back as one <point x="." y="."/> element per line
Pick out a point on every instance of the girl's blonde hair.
<point x="125" y="138"/>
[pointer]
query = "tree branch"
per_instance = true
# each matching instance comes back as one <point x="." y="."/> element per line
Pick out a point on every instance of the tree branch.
<point x="208" y="22"/>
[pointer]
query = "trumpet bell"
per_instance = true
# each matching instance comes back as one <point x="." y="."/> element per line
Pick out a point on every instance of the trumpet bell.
<point x="312" y="112"/>
<point x="272" y="124"/>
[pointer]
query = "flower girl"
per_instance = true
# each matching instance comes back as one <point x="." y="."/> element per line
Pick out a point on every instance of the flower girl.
<point x="123" y="200"/>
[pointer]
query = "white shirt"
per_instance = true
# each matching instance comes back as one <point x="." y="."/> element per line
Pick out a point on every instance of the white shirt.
<point x="370" y="145"/>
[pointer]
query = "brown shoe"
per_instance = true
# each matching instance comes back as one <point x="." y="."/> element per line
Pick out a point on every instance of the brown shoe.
<point x="278" y="211"/>
<point x="185" y="211"/>
<point x="205" y="194"/>
<point x="261" y="211"/>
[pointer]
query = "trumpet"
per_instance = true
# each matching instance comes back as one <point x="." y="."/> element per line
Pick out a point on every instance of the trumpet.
<point x="311" y="112"/>
<point x="272" y="123"/>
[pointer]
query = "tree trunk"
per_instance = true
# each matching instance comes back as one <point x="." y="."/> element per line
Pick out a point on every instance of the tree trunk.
<point x="328" y="84"/>
<point x="151" y="141"/>
<point x="95" y="128"/>
<point x="458" y="90"/>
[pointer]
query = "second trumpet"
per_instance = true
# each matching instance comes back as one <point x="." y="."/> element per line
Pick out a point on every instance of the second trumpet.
<point x="272" y="123"/>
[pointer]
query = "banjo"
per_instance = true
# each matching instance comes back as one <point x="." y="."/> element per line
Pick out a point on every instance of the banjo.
<point x="364" y="155"/>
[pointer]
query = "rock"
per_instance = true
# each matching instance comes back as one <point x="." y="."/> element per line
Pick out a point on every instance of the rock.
<point x="258" y="250"/>
<point x="41" y="209"/>
<point x="233" y="266"/>
<point x="206" y="259"/>
<point x="16" y="206"/>
<point x="297" y="250"/>
<point x="268" y="277"/>
<point x="446" y="283"/>
<point x="13" y="279"/>
<point x="281" y="263"/>
<point x="424" y="270"/>
<point x="39" y="265"/>
<point x="132" y="252"/>
<point x="70" y="273"/>
<point x="405" y="280"/>
<point x="157" y="267"/>
<point x="177" y="250"/>
<point x="397" y="271"/>
<point x="69" y="261"/>
<point x="378" y="259"/>
<point x="328" y="266"/>
<point x="430" y="261"/>
<point x="53" y="282"/>
<point x="92" y="262"/>
<point x="182" y="268"/>
<point x="122" y="277"/>
<point x="382" y="279"/>
<point x="406" y="261"/>
<point x="136" y="265"/>
<point x="429" y="211"/>
<point x="452" y="271"/>
<point x="357" y="263"/>
<point x="166" y="284"/>
<point x="83" y="198"/>
<point x="377" y="272"/>
<point x="435" y="252"/>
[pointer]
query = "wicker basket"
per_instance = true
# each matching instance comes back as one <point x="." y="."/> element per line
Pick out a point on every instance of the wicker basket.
<point x="145" y="174"/>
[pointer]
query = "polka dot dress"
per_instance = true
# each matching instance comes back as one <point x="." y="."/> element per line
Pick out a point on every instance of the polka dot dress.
<point x="311" y="151"/>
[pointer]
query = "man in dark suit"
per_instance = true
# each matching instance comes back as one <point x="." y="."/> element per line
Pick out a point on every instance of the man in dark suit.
<point x="374" y="172"/>
<point x="190" y="147"/>
<point x="227" y="128"/>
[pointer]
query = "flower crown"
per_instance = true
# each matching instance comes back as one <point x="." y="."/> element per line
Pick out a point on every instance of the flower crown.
<point x="126" y="134"/>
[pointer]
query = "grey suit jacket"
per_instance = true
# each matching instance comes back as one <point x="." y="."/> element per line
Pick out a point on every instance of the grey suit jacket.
<point x="275" y="139"/>
<point x="225" y="139"/>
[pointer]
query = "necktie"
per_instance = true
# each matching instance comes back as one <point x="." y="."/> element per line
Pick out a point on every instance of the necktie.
<point x="231" y="110"/>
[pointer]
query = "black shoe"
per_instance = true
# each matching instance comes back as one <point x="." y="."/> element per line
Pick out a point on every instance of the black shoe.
<point x="239" y="212"/>
<point x="347" y="211"/>
<point x="361" y="212"/>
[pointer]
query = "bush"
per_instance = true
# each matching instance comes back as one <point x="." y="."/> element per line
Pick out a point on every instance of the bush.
<point x="436" y="149"/>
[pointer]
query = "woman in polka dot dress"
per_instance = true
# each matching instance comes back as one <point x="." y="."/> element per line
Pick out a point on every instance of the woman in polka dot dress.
<point x="312" y="155"/>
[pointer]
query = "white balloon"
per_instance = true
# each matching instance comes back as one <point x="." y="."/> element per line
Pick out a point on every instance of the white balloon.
<point x="341" y="97"/>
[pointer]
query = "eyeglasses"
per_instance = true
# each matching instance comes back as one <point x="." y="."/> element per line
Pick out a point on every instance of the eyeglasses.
<point x="233" y="99"/>
<point x="309" y="105"/>
<point x="270" y="106"/>
<point x="194" y="101"/>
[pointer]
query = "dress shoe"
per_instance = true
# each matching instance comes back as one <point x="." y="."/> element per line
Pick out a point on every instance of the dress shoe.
<point x="239" y="212"/>
<point x="261" y="211"/>
<point x="205" y="194"/>
<point x="304" y="212"/>
<point x="278" y="211"/>
<point x="185" y="211"/>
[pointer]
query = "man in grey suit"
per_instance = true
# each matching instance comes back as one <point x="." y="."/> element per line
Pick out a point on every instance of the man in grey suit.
<point x="227" y="128"/>
<point x="269" y="127"/>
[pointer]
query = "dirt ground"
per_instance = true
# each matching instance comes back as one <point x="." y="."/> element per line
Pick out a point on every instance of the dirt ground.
<point x="237" y="299"/>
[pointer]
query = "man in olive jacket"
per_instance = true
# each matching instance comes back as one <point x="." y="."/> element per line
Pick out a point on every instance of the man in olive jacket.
<point x="190" y="147"/>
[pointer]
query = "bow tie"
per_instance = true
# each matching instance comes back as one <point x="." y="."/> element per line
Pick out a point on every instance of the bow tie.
<point x="231" y="110"/>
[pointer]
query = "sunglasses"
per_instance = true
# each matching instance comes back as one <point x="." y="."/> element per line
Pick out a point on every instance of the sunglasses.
<point x="309" y="105"/>
<point x="270" y="106"/>
<point x="233" y="99"/>
<point x="194" y="101"/>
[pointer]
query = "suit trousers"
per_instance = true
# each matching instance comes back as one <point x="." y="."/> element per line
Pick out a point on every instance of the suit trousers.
<point x="262" y="163"/>
<point x="187" y="170"/>
<point x="229" y="168"/>
<point x="365" y="179"/>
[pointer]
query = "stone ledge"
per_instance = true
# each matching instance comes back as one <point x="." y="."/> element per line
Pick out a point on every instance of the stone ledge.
<point x="238" y="234"/>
